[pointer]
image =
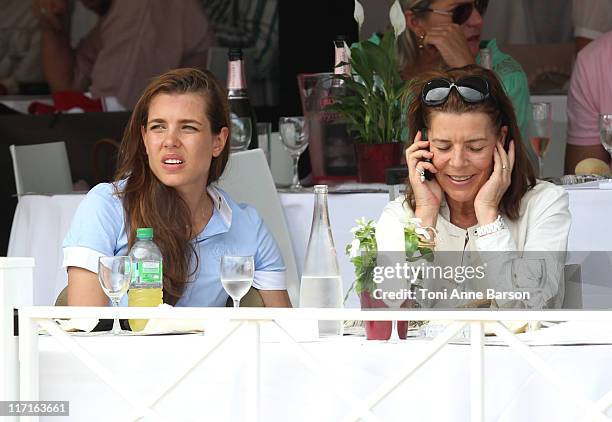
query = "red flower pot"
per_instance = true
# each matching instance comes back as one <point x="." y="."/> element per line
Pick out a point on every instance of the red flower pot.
<point x="373" y="159"/>
<point x="380" y="330"/>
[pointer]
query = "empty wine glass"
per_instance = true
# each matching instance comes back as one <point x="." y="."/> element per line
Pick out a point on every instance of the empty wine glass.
<point x="605" y="132"/>
<point x="241" y="133"/>
<point x="529" y="275"/>
<point x="540" y="132"/>
<point x="114" y="274"/>
<point x="237" y="276"/>
<point x="295" y="140"/>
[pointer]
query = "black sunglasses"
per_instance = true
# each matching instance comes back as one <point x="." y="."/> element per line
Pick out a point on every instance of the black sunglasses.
<point x="473" y="89"/>
<point x="460" y="14"/>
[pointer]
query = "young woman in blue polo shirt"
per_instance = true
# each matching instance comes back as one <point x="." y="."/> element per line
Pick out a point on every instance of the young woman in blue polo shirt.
<point x="174" y="147"/>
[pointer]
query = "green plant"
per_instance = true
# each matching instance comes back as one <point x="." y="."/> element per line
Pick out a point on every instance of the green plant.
<point x="374" y="101"/>
<point x="363" y="250"/>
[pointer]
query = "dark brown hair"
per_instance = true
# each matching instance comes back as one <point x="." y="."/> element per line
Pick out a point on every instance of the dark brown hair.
<point x="501" y="113"/>
<point x="149" y="203"/>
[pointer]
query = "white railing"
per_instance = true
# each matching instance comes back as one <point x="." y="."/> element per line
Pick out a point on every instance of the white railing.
<point x="360" y="407"/>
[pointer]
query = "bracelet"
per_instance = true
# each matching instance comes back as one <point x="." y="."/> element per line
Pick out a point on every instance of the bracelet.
<point x="491" y="228"/>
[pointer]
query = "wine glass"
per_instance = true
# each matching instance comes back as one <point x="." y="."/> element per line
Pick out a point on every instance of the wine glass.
<point x="237" y="276"/>
<point x="114" y="274"/>
<point x="241" y="133"/>
<point x="529" y="275"/>
<point x="605" y="131"/>
<point x="540" y="132"/>
<point x="295" y="140"/>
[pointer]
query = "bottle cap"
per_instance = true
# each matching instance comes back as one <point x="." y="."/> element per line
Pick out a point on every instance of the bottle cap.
<point x="234" y="53"/>
<point x="144" y="233"/>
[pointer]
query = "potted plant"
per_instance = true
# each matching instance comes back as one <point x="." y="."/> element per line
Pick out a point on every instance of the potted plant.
<point x="374" y="101"/>
<point x="363" y="254"/>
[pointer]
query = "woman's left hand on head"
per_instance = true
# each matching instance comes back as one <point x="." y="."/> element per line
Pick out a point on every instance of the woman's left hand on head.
<point x="450" y="42"/>
<point x="486" y="204"/>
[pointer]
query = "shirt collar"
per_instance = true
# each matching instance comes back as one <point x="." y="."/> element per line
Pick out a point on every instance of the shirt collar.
<point x="220" y="205"/>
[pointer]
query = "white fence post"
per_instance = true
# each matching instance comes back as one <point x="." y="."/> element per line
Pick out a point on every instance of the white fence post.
<point x="477" y="371"/>
<point x="15" y="291"/>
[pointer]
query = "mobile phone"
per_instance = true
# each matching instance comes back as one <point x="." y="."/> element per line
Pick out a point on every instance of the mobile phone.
<point x="428" y="175"/>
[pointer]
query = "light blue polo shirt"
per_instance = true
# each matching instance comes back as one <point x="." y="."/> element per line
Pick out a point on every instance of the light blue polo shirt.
<point x="98" y="229"/>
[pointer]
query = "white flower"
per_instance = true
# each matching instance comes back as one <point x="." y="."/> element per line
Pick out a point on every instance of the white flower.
<point x="354" y="250"/>
<point x="411" y="221"/>
<point x="396" y="16"/>
<point x="358" y="14"/>
<point x="423" y="233"/>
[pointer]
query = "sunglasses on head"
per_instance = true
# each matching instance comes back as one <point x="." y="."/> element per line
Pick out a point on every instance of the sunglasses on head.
<point x="460" y="14"/>
<point x="472" y="89"/>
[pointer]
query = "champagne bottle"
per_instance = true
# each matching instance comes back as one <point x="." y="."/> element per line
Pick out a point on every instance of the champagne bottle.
<point x="237" y="93"/>
<point x="486" y="60"/>
<point x="321" y="285"/>
<point x="339" y="152"/>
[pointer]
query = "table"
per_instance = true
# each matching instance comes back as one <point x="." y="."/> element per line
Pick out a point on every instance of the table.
<point x="41" y="222"/>
<point x="219" y="388"/>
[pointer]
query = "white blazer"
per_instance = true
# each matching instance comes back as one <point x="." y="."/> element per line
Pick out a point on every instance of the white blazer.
<point x="543" y="227"/>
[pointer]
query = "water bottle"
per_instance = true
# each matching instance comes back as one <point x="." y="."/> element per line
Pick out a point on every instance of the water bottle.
<point x="321" y="285"/>
<point x="146" y="286"/>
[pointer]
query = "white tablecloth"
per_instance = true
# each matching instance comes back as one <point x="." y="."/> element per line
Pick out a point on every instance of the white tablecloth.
<point x="41" y="222"/>
<point x="217" y="391"/>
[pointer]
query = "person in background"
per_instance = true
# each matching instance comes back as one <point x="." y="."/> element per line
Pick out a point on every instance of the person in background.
<point x="445" y="34"/>
<point x="590" y="95"/>
<point x="482" y="198"/>
<point x="251" y="25"/>
<point x="592" y="18"/>
<point x="132" y="42"/>
<point x="174" y="148"/>
<point x="20" y="65"/>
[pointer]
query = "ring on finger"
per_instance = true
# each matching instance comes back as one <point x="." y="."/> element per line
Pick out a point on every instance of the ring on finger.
<point x="421" y="174"/>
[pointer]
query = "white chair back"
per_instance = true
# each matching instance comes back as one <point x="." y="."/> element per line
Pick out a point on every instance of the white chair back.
<point x="41" y="168"/>
<point x="573" y="287"/>
<point x="247" y="178"/>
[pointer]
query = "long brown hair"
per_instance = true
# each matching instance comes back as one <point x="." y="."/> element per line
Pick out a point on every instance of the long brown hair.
<point x="501" y="113"/>
<point x="149" y="203"/>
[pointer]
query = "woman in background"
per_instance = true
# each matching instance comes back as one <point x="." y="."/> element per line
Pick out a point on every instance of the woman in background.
<point x="442" y="34"/>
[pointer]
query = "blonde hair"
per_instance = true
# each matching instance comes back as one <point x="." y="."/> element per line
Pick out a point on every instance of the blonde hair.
<point x="407" y="42"/>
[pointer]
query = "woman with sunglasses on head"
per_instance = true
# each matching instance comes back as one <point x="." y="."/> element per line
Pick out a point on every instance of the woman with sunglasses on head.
<point x="470" y="181"/>
<point x="175" y="147"/>
<point x="444" y="34"/>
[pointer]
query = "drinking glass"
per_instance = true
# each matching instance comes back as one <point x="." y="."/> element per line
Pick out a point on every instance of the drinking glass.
<point x="605" y="131"/>
<point x="114" y="274"/>
<point x="241" y="133"/>
<point x="264" y="137"/>
<point x="529" y="275"/>
<point x="295" y="140"/>
<point x="237" y="276"/>
<point x="540" y="132"/>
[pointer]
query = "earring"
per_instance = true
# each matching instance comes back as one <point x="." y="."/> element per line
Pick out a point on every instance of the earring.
<point x="421" y="41"/>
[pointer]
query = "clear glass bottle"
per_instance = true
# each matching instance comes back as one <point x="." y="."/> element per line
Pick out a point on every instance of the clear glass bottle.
<point x="146" y="286"/>
<point x="321" y="285"/>
<point x="486" y="60"/>
<point x="237" y="93"/>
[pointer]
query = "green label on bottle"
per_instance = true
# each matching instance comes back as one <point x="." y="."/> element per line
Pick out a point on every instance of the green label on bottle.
<point x="150" y="271"/>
